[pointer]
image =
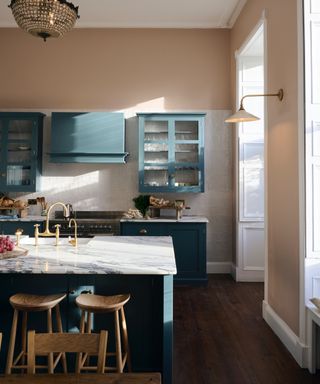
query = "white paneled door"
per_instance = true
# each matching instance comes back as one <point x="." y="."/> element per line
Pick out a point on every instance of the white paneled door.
<point x="250" y="163"/>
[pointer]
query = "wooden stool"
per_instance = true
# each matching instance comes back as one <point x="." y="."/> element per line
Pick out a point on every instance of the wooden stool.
<point x="33" y="303"/>
<point x="89" y="304"/>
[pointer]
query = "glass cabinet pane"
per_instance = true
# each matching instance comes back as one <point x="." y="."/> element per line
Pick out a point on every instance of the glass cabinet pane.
<point x="155" y="176"/>
<point x="186" y="130"/>
<point x="18" y="153"/>
<point x="186" y="177"/>
<point x="156" y="153"/>
<point x="186" y="153"/>
<point x="20" y="130"/>
<point x="18" y="175"/>
<point x="155" y="130"/>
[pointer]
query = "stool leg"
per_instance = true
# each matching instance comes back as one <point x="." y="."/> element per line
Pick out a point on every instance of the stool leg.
<point x="59" y="326"/>
<point x="118" y="342"/>
<point x="12" y="342"/>
<point x="125" y="339"/>
<point x="24" y="336"/>
<point x="49" y="326"/>
<point x="81" y="330"/>
<point x="89" y="329"/>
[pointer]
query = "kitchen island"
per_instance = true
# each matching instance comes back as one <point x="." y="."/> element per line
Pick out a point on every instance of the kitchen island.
<point x="141" y="266"/>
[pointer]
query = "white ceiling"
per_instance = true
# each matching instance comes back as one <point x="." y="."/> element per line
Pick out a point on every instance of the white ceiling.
<point x="148" y="13"/>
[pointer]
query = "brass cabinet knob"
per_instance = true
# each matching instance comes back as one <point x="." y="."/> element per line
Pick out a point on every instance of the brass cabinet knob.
<point x="143" y="231"/>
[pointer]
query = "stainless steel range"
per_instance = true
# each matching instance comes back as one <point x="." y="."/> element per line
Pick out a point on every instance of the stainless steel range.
<point x="90" y="223"/>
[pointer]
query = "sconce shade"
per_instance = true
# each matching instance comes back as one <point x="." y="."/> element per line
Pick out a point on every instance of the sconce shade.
<point x="241" y="116"/>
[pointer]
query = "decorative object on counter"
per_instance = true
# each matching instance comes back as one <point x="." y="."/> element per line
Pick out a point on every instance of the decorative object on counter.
<point x="160" y="203"/>
<point x="142" y="203"/>
<point x="156" y="204"/>
<point x="45" y="18"/>
<point x="133" y="214"/>
<point x="44" y="205"/>
<point x="15" y="206"/>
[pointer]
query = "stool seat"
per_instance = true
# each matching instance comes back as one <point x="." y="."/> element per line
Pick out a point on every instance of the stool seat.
<point x="102" y="304"/>
<point x="33" y="303"/>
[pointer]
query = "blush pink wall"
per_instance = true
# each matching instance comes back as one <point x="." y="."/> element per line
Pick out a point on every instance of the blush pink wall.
<point x="116" y="69"/>
<point x="282" y="149"/>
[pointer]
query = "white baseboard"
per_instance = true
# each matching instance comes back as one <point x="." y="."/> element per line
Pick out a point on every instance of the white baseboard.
<point x="291" y="341"/>
<point x="219" y="267"/>
<point x="250" y="276"/>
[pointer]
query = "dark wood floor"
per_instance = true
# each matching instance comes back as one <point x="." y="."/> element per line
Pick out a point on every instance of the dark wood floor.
<point x="220" y="337"/>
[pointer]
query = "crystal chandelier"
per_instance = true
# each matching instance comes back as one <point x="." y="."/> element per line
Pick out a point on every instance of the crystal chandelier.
<point x="45" y="18"/>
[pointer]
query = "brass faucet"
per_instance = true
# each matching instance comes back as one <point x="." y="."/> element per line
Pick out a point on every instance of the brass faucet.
<point x="74" y="241"/>
<point x="47" y="232"/>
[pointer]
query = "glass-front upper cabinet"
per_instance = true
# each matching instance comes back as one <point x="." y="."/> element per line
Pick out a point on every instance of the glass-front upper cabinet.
<point x="171" y="152"/>
<point x="20" y="150"/>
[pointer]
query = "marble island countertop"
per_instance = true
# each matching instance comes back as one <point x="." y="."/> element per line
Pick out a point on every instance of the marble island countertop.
<point x="101" y="255"/>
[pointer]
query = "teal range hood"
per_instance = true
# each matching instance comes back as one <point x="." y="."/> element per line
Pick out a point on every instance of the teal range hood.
<point x="88" y="137"/>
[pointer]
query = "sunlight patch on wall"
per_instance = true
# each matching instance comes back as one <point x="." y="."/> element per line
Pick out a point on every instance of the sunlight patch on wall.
<point x="154" y="105"/>
<point x="70" y="183"/>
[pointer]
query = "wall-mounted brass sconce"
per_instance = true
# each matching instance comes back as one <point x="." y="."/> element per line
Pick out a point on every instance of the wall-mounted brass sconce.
<point x="242" y="115"/>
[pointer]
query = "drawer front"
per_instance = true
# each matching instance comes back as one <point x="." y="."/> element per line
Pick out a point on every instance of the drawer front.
<point x="10" y="227"/>
<point x="143" y="229"/>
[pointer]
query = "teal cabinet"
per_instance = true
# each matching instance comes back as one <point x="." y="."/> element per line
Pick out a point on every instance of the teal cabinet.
<point x="10" y="227"/>
<point x="20" y="151"/>
<point x="189" y="241"/>
<point x="87" y="137"/>
<point x="171" y="152"/>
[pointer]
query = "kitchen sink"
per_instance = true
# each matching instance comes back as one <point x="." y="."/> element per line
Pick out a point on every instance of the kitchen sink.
<point x="52" y="241"/>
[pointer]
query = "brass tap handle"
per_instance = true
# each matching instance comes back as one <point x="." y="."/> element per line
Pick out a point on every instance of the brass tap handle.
<point x="36" y="234"/>
<point x="18" y="233"/>
<point x="57" y="227"/>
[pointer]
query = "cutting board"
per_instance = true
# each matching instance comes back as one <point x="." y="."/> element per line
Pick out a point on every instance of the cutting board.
<point x="15" y="253"/>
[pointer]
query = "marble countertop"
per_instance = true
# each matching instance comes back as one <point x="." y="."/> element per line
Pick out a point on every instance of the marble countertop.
<point x="184" y="219"/>
<point x="100" y="255"/>
<point x="26" y="219"/>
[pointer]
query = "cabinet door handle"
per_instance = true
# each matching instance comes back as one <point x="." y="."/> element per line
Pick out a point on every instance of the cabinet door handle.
<point x="143" y="231"/>
<point x="3" y="175"/>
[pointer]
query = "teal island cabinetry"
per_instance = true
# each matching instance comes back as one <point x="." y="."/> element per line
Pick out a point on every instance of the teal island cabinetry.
<point x="189" y="240"/>
<point x="171" y="152"/>
<point x="141" y="266"/>
<point x="20" y="150"/>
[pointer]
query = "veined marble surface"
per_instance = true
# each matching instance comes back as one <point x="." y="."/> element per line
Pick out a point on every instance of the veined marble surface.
<point x="101" y="255"/>
<point x="184" y="219"/>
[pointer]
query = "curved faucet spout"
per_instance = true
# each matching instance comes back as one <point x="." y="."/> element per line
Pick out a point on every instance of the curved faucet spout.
<point x="47" y="232"/>
<point x="74" y="241"/>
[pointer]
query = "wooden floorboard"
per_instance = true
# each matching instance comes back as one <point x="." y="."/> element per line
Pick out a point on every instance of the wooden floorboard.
<point x="220" y="337"/>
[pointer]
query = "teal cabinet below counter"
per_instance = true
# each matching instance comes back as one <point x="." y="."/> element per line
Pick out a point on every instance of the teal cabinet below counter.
<point x="10" y="227"/>
<point x="189" y="241"/>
